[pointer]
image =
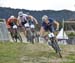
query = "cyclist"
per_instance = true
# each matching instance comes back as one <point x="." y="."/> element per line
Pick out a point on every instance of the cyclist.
<point x="10" y="22"/>
<point x="48" y="24"/>
<point x="32" y="21"/>
<point x="25" y="20"/>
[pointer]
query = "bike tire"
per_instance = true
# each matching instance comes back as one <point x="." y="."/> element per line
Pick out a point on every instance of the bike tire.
<point x="55" y="46"/>
<point x="15" y="36"/>
<point x="37" y="38"/>
<point x="19" y="37"/>
<point x="32" y="37"/>
<point x="28" y="36"/>
<point x="60" y="54"/>
<point x="12" y="35"/>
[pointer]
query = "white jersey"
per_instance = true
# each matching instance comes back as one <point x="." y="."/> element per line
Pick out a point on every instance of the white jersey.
<point x="23" y="18"/>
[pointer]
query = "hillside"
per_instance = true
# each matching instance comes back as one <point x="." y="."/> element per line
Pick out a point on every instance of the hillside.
<point x="34" y="53"/>
<point x="57" y="15"/>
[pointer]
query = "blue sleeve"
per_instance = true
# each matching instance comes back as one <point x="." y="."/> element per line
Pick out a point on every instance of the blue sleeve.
<point x="43" y="24"/>
<point x="51" y="20"/>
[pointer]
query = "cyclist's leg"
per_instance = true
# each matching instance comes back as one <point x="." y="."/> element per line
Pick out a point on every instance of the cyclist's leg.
<point x="43" y="30"/>
<point x="11" y="31"/>
<point x="43" y="33"/>
<point x="23" y="28"/>
<point x="51" y="29"/>
<point x="19" y="36"/>
<point x="32" y="33"/>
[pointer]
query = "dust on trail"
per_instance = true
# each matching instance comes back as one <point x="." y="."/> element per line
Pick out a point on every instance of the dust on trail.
<point x="44" y="60"/>
<point x="36" y="56"/>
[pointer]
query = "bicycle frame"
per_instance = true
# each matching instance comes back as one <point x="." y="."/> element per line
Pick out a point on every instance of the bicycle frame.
<point x="54" y="44"/>
<point x="30" y="31"/>
<point x="16" y="35"/>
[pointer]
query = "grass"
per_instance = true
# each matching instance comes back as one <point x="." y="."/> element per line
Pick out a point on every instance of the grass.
<point x="34" y="53"/>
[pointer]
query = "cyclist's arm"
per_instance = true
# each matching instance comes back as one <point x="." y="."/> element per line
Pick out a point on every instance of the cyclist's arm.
<point x="42" y="31"/>
<point x="7" y="23"/>
<point x="19" y="21"/>
<point x="16" y="21"/>
<point x="57" y="24"/>
<point x="35" y="20"/>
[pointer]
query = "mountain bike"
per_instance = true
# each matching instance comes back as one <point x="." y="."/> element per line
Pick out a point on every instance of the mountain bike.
<point x="15" y="34"/>
<point x="54" y="44"/>
<point x="30" y="33"/>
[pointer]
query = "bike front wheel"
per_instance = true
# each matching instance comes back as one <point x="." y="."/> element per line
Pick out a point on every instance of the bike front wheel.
<point x="56" y="47"/>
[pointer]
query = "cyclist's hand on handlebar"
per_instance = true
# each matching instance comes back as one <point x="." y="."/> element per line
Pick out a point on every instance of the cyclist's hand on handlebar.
<point x="57" y="29"/>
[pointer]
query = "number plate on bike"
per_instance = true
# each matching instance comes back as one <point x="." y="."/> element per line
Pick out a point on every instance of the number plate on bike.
<point x="51" y="35"/>
<point x="15" y="27"/>
<point x="32" y="26"/>
<point x="26" y="25"/>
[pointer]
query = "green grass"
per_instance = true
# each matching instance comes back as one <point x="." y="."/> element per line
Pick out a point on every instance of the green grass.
<point x="34" y="53"/>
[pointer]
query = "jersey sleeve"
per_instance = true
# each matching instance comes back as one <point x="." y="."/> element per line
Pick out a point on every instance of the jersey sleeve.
<point x="43" y="24"/>
<point x="7" y="23"/>
<point x="51" y="20"/>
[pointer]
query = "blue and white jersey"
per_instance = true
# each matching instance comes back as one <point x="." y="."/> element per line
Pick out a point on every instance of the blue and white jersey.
<point x="48" y="26"/>
<point x="23" y="18"/>
<point x="51" y="21"/>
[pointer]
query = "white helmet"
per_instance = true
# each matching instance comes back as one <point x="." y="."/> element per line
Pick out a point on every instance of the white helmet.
<point x="20" y="13"/>
<point x="45" y="17"/>
<point x="12" y="17"/>
<point x="25" y="15"/>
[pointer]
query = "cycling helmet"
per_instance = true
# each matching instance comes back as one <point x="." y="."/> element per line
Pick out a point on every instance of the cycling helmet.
<point x="12" y="17"/>
<point x="20" y="13"/>
<point x="45" y="17"/>
<point x="25" y="15"/>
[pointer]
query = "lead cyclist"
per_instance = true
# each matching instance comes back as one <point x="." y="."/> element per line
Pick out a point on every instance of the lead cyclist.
<point x="48" y="25"/>
<point x="31" y="23"/>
